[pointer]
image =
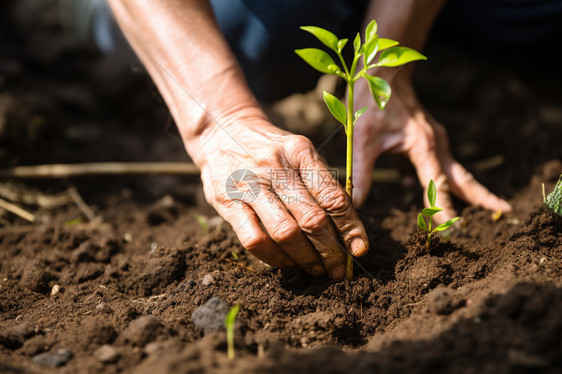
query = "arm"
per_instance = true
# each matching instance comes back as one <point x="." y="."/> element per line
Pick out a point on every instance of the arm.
<point x="292" y="221"/>
<point x="405" y="126"/>
<point x="184" y="52"/>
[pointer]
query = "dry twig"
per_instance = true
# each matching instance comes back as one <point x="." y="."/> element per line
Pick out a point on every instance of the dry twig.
<point x="17" y="210"/>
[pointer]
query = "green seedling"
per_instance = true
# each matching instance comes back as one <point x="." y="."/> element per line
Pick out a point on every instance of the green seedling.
<point x="229" y="322"/>
<point x="554" y="199"/>
<point x="429" y="213"/>
<point x="202" y="221"/>
<point x="364" y="54"/>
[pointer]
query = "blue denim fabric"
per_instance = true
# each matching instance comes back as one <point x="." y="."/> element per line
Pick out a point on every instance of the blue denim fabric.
<point x="263" y="35"/>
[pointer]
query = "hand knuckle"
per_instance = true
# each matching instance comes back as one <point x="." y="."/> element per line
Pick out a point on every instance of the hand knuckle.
<point x="284" y="231"/>
<point x="313" y="220"/>
<point x="298" y="143"/>
<point x="253" y="242"/>
<point x="335" y="202"/>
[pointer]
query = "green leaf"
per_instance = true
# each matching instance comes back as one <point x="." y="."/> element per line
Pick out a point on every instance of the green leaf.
<point x="554" y="199"/>
<point x="325" y="36"/>
<point x="336" y="107"/>
<point x="370" y="31"/>
<point x="431" y="211"/>
<point x="341" y="44"/>
<point x="421" y="223"/>
<point x="357" y="43"/>
<point x="431" y="193"/>
<point x="380" y="89"/>
<point x="359" y="113"/>
<point x="318" y="59"/>
<point x="446" y="225"/>
<point x="397" y="56"/>
<point x="371" y="49"/>
<point x="386" y="43"/>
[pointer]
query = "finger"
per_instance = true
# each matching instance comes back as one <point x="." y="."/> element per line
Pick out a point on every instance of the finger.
<point x="427" y="165"/>
<point x="462" y="183"/>
<point x="465" y="186"/>
<point x="331" y="197"/>
<point x="313" y="221"/>
<point x="247" y="227"/>
<point x="286" y="233"/>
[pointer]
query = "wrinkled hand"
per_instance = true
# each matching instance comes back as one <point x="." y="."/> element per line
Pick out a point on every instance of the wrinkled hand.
<point x="301" y="215"/>
<point x="405" y="127"/>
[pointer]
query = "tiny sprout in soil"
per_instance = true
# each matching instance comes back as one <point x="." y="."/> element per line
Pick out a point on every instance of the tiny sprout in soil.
<point x="229" y="324"/>
<point x="554" y="199"/>
<point x="430" y="212"/>
<point x="363" y="55"/>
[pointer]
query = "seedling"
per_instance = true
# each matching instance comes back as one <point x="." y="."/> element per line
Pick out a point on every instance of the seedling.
<point x="229" y="323"/>
<point x="554" y="199"/>
<point x="430" y="212"/>
<point x="202" y="221"/>
<point x="363" y="55"/>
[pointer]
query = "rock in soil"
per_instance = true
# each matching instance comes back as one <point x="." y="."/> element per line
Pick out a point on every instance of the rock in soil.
<point x="141" y="331"/>
<point x="106" y="354"/>
<point x="54" y="359"/>
<point x="210" y="316"/>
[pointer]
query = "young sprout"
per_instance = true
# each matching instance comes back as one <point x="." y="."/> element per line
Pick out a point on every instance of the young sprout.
<point x="430" y="212"/>
<point x="363" y="59"/>
<point x="554" y="199"/>
<point x="229" y="323"/>
<point x="202" y="220"/>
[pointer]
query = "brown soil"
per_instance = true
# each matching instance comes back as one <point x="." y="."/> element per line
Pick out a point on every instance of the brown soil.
<point x="487" y="298"/>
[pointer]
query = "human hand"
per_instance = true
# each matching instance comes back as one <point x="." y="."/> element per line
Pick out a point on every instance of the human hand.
<point x="298" y="215"/>
<point x="405" y="127"/>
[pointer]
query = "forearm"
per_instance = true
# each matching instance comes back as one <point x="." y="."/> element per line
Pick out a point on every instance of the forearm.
<point x="184" y="52"/>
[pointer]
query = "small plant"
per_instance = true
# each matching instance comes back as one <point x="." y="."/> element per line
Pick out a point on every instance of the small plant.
<point x="390" y="56"/>
<point x="229" y="322"/>
<point x="554" y="199"/>
<point x="430" y="212"/>
<point x="202" y="221"/>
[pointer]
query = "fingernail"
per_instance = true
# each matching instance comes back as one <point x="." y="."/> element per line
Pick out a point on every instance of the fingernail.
<point x="358" y="247"/>
<point x="506" y="207"/>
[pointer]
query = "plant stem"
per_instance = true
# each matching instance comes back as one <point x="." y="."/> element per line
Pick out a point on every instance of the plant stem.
<point x="429" y="232"/>
<point x="349" y="162"/>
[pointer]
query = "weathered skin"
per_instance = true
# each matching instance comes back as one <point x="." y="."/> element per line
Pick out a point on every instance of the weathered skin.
<point x="224" y="129"/>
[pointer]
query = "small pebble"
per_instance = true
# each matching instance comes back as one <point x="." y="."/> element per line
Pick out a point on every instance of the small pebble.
<point x="106" y="354"/>
<point x="54" y="359"/>
<point x="55" y="290"/>
<point x="142" y="330"/>
<point x="25" y="330"/>
<point x="210" y="316"/>
<point x="207" y="280"/>
<point x="152" y="348"/>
